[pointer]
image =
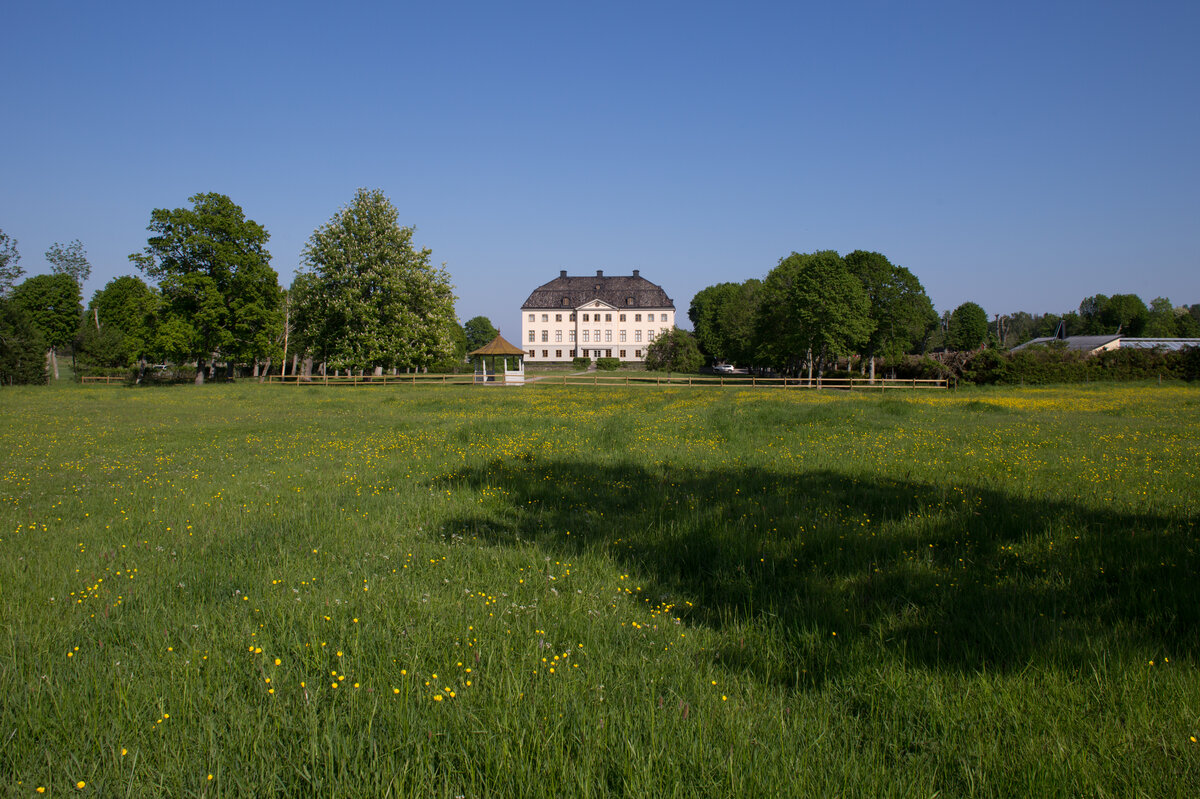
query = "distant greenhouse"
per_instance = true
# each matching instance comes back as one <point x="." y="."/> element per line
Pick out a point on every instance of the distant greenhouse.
<point x="1097" y="344"/>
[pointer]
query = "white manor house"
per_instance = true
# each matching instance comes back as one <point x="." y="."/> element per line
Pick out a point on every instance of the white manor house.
<point x="594" y="317"/>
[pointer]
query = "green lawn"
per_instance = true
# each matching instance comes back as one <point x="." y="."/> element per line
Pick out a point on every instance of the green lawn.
<point x="247" y="590"/>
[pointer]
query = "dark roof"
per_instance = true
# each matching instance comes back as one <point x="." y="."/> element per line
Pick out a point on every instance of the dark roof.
<point x="1072" y="343"/>
<point x="498" y="346"/>
<point x="621" y="291"/>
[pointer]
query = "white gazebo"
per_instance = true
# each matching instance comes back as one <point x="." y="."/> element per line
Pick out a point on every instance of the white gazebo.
<point x="508" y="353"/>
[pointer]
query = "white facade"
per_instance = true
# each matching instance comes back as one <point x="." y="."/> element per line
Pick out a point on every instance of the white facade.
<point x="611" y="323"/>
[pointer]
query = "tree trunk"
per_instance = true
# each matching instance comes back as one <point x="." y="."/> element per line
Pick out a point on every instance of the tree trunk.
<point x="378" y="371"/>
<point x="872" y="369"/>
<point x="199" y="371"/>
<point x="52" y="359"/>
<point x="266" y="371"/>
<point x="308" y="366"/>
<point x="295" y="360"/>
<point x="255" y="372"/>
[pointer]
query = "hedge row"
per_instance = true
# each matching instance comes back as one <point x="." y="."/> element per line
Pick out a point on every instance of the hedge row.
<point x="1043" y="365"/>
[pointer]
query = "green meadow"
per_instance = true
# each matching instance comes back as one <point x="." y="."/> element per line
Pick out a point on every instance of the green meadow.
<point x="247" y="590"/>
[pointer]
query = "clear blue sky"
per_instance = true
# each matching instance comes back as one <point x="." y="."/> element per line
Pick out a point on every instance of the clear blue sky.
<point x="1021" y="155"/>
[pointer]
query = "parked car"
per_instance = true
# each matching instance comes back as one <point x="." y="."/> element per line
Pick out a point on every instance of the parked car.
<point x="723" y="369"/>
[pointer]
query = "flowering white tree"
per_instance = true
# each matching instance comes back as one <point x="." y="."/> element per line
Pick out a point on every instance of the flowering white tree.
<point x="370" y="298"/>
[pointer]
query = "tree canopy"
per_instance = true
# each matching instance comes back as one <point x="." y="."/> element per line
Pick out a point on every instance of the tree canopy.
<point x="812" y="307"/>
<point x="220" y="296"/>
<point x="372" y="299"/>
<point x="900" y="310"/>
<point x="479" y="331"/>
<point x="674" y="351"/>
<point x="69" y="260"/>
<point x="968" y="327"/>
<point x="129" y="306"/>
<point x="53" y="305"/>
<point x="10" y="264"/>
<point x="723" y="319"/>
<point x="22" y="347"/>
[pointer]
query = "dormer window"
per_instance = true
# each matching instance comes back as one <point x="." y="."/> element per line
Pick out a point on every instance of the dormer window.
<point x="629" y="300"/>
<point x="566" y="301"/>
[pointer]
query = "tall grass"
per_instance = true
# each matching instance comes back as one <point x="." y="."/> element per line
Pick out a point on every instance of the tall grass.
<point x="620" y="592"/>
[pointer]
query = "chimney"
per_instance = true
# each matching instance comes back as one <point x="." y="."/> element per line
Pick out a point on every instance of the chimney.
<point x="562" y="273"/>
<point x="599" y="273"/>
<point x="636" y="272"/>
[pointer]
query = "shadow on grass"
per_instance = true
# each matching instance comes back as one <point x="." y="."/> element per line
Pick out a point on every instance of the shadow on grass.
<point x="958" y="577"/>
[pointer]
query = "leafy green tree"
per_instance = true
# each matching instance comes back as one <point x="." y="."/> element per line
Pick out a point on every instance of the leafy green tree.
<point x="901" y="311"/>
<point x="723" y="319"/>
<point x="22" y="347"/>
<point x="703" y="313"/>
<point x="1187" y="325"/>
<point x="968" y="328"/>
<point x="458" y="351"/>
<point x="674" y="351"/>
<point x="10" y="259"/>
<point x="1089" y="314"/>
<point x="479" y="331"/>
<point x="105" y="347"/>
<point x="812" y="310"/>
<point x="1160" y="321"/>
<point x="53" y="305"/>
<point x="374" y="300"/>
<point x="220" y="296"/>
<point x="1125" y="313"/>
<point x="69" y="260"/>
<point x="128" y="305"/>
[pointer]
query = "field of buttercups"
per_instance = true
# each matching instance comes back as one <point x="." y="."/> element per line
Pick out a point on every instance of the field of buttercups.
<point x="565" y="591"/>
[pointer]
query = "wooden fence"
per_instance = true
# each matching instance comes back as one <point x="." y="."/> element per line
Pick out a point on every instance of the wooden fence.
<point x="105" y="379"/>
<point x="748" y="381"/>
<point x="638" y="379"/>
<point x="465" y="379"/>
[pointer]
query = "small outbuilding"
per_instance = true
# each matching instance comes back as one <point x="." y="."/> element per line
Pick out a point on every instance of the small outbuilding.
<point x="509" y="354"/>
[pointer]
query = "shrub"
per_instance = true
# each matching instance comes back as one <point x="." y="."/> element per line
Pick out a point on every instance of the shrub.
<point x="1190" y="359"/>
<point x="581" y="363"/>
<point x="22" y="347"/>
<point x="674" y="351"/>
<point x="608" y="364"/>
<point x="987" y="366"/>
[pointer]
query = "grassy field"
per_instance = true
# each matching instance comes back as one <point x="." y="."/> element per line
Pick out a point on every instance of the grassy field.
<point x="244" y="590"/>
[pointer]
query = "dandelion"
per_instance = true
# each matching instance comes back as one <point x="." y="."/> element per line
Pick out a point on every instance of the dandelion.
<point x="210" y="778"/>
<point x="80" y="785"/>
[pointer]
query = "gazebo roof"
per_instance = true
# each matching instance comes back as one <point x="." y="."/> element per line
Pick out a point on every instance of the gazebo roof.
<point x="498" y="346"/>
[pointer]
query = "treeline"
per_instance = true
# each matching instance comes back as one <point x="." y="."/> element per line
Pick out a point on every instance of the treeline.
<point x="365" y="299"/>
<point x="815" y="309"/>
<point x="1099" y="315"/>
<point x="819" y="311"/>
